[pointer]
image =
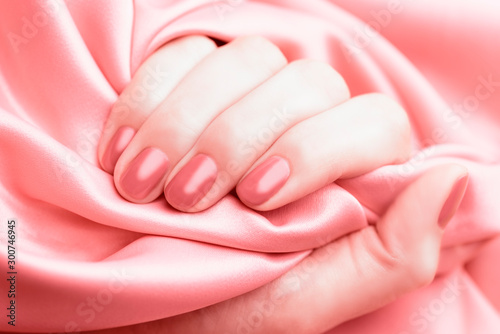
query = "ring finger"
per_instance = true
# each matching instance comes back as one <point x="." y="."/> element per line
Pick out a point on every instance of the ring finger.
<point x="242" y="133"/>
<point x="212" y="86"/>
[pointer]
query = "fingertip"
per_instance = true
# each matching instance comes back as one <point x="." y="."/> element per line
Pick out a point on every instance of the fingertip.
<point x="411" y="229"/>
<point x="454" y="199"/>
<point x="115" y="147"/>
<point x="426" y="199"/>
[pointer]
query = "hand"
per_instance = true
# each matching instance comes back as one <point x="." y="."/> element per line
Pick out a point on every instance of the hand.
<point x="347" y="278"/>
<point x="197" y="121"/>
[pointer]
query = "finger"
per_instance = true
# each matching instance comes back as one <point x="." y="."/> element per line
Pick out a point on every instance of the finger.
<point x="347" y="278"/>
<point x="351" y="139"/>
<point x="242" y="133"/>
<point x="371" y="268"/>
<point x="217" y="82"/>
<point x="150" y="85"/>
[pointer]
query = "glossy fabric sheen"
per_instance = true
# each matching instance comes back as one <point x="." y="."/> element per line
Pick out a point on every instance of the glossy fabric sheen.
<point x="78" y="239"/>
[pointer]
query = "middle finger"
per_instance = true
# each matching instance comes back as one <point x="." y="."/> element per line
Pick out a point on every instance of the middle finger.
<point x="217" y="82"/>
<point x="242" y="133"/>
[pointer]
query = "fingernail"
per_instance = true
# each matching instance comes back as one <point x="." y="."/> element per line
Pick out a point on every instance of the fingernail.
<point x="453" y="202"/>
<point x="116" y="146"/>
<point x="144" y="173"/>
<point x="192" y="182"/>
<point x="264" y="181"/>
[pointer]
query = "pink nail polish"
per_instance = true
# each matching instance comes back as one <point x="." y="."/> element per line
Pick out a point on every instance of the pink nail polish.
<point x="264" y="181"/>
<point x="144" y="173"/>
<point x="116" y="146"/>
<point x="453" y="202"/>
<point x="192" y="183"/>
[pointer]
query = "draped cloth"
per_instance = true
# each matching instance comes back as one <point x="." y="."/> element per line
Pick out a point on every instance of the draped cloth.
<point x="87" y="259"/>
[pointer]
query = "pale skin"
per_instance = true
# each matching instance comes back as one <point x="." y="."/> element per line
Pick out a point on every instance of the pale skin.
<point x="220" y="101"/>
<point x="192" y="113"/>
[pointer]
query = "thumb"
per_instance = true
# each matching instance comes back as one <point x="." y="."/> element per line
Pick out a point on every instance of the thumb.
<point x="368" y="269"/>
<point x="399" y="254"/>
<point x="411" y="229"/>
<point x="349" y="277"/>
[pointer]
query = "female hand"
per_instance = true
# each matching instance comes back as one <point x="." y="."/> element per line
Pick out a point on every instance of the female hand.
<point x="197" y="121"/>
<point x="214" y="104"/>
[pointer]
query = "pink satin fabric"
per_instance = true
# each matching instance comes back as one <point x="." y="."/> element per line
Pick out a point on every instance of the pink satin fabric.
<point x="62" y="66"/>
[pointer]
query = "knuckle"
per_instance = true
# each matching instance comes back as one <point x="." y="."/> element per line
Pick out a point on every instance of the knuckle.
<point x="388" y="105"/>
<point x="261" y="50"/>
<point x="163" y="126"/>
<point x="415" y="265"/>
<point x="321" y="77"/>
<point x="256" y="42"/>
<point x="395" y="119"/>
<point x="311" y="66"/>
<point x="392" y="111"/>
<point x="221" y="135"/>
<point x="199" y="43"/>
<point x="420" y="270"/>
<point x="291" y="142"/>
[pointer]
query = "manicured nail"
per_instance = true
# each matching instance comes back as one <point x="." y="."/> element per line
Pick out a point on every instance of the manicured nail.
<point x="264" y="181"/>
<point x="192" y="182"/>
<point x="144" y="173"/>
<point x="116" y="146"/>
<point x="453" y="202"/>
